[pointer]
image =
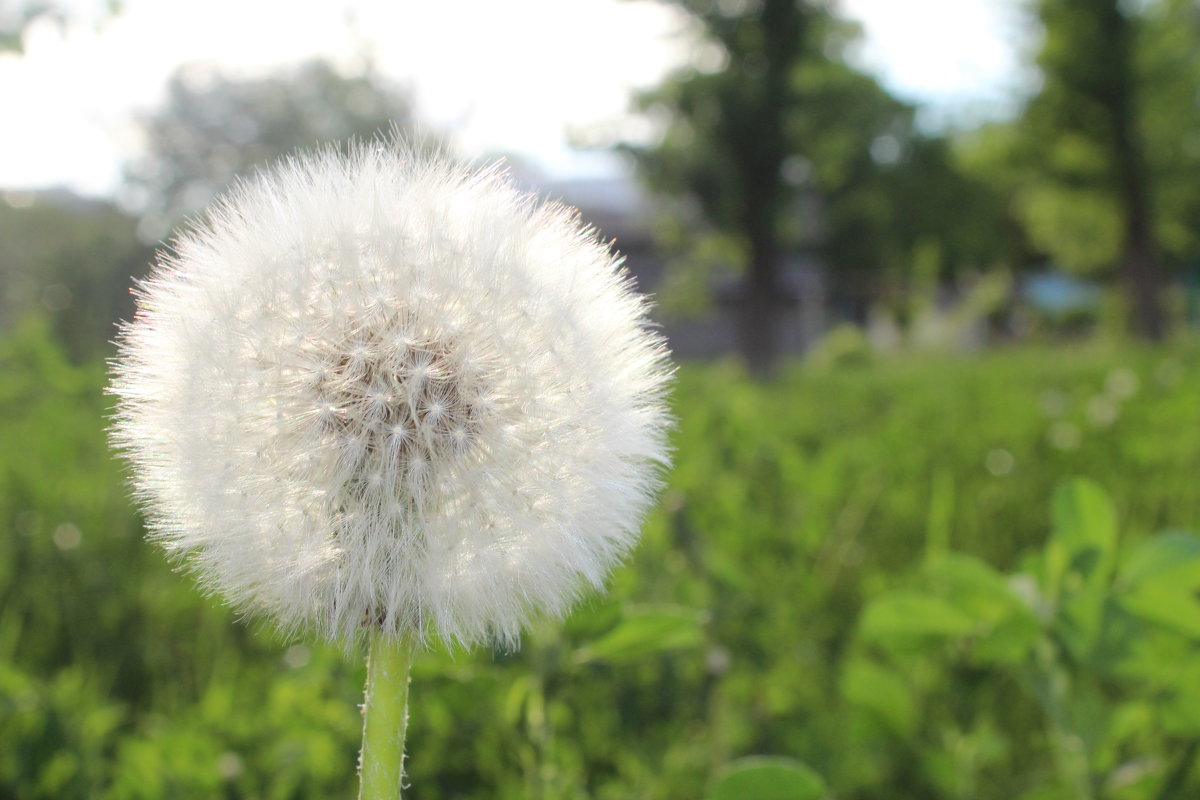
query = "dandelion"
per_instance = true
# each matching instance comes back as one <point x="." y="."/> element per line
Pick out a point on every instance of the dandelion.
<point x="1103" y="410"/>
<point x="999" y="462"/>
<point x="1054" y="402"/>
<point x="381" y="395"/>
<point x="1065" y="435"/>
<point x="1122" y="383"/>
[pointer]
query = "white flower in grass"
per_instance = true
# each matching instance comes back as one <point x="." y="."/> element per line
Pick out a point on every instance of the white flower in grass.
<point x="381" y="391"/>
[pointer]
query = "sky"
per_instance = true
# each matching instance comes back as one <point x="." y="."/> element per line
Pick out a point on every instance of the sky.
<point x="530" y="77"/>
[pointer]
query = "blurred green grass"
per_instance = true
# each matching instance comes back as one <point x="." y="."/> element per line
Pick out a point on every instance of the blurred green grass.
<point x="728" y="633"/>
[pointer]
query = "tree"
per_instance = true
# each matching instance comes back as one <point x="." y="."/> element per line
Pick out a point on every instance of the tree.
<point x="214" y="127"/>
<point x="784" y="146"/>
<point x="1084" y="133"/>
<point x="727" y="142"/>
<point x="891" y="194"/>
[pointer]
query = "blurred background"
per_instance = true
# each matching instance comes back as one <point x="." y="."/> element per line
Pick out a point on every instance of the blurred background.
<point x="932" y="273"/>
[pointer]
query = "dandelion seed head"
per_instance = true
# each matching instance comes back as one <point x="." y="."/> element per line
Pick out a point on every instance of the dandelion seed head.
<point x="381" y="390"/>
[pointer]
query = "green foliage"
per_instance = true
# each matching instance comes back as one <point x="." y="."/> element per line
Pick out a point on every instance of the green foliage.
<point x="1110" y="135"/>
<point x="844" y="346"/>
<point x="769" y="779"/>
<point x="1080" y="228"/>
<point x="644" y="632"/>
<point x="728" y="138"/>
<point x="1078" y="632"/>
<point x="853" y="574"/>
<point x="1081" y="134"/>
<point x="779" y="145"/>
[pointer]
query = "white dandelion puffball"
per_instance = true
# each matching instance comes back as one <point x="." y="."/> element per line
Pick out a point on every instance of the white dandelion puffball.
<point x="379" y="390"/>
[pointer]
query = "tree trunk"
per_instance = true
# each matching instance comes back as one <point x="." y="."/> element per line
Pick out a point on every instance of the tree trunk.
<point x="1139" y="268"/>
<point x="757" y="140"/>
<point x="758" y="311"/>
<point x="1139" y="257"/>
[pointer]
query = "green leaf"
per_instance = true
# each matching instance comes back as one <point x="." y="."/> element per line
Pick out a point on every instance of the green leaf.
<point x="1160" y="580"/>
<point x="768" y="778"/>
<point x="516" y="697"/>
<point x="592" y="619"/>
<point x="1080" y="558"/>
<point x="964" y="574"/>
<point x="1171" y="556"/>
<point x="1010" y="641"/>
<point x="1085" y="535"/>
<point x="645" y="631"/>
<point x="967" y="597"/>
<point x="905" y="615"/>
<point x="880" y="691"/>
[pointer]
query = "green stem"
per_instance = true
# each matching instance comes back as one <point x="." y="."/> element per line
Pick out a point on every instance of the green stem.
<point x="385" y="712"/>
<point x="1174" y="784"/>
<point x="1053" y="689"/>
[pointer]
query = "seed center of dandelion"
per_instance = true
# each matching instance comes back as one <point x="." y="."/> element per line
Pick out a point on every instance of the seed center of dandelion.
<point x="397" y="406"/>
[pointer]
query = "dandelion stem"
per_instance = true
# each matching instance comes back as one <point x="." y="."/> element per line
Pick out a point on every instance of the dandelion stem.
<point x="385" y="716"/>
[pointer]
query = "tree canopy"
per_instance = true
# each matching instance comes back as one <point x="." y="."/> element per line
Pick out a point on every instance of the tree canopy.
<point x="214" y="127"/>
<point x="1103" y="163"/>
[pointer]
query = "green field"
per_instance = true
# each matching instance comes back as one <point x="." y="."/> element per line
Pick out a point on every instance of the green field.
<point x="855" y="568"/>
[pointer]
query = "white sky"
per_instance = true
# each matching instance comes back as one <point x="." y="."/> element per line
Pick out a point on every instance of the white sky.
<point x="519" y="76"/>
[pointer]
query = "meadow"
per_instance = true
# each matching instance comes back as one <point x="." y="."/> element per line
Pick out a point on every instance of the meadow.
<point x="921" y="577"/>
